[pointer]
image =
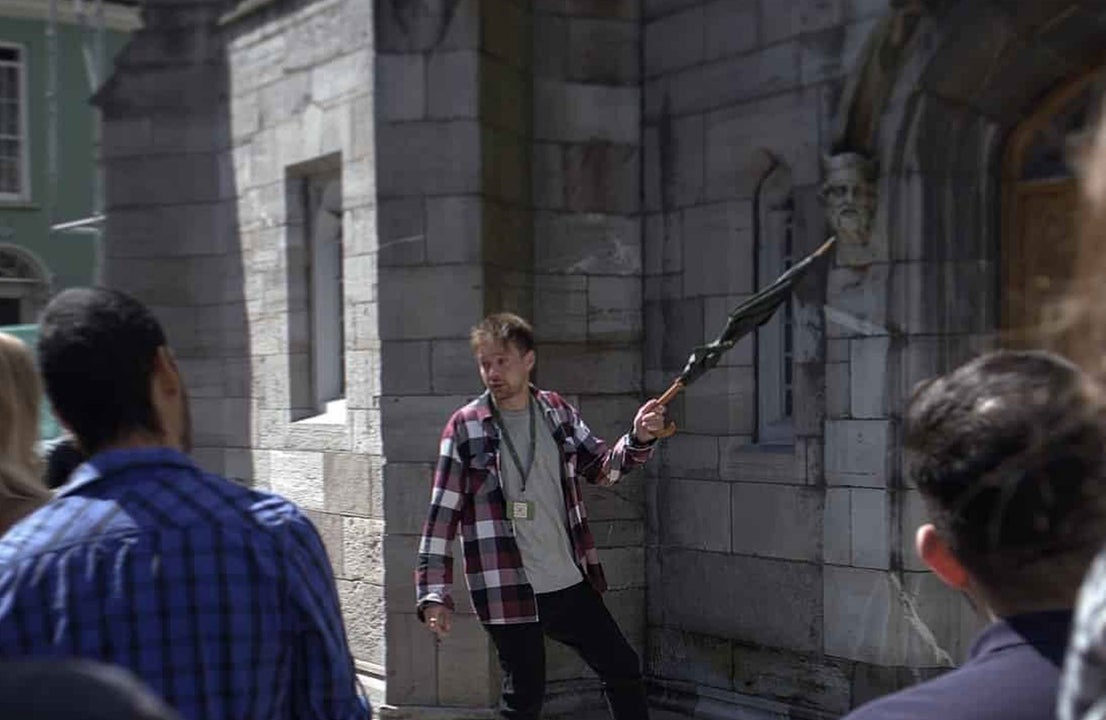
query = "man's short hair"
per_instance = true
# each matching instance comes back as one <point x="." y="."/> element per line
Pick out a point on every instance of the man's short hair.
<point x="1007" y="451"/>
<point x="97" y="349"/>
<point x="503" y="328"/>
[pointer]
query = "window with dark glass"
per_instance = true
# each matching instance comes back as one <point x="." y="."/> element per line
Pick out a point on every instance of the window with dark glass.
<point x="775" y="366"/>
<point x="13" y="151"/>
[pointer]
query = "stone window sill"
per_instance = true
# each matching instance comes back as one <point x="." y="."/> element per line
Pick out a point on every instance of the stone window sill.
<point x="335" y="414"/>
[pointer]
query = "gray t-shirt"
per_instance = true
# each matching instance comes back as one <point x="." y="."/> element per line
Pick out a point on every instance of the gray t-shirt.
<point x="543" y="540"/>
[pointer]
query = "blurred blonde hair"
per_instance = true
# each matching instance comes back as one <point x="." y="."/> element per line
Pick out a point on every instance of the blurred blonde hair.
<point x="20" y="390"/>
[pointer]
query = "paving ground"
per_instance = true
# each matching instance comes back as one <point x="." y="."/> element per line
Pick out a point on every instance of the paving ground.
<point x="653" y="715"/>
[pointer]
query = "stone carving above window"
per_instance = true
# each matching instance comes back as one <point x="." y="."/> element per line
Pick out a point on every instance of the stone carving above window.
<point x="849" y="193"/>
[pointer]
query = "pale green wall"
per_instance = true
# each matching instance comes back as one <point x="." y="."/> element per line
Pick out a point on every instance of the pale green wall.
<point x="70" y="257"/>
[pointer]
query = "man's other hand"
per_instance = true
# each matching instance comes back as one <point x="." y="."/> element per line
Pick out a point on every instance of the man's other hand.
<point x="439" y="619"/>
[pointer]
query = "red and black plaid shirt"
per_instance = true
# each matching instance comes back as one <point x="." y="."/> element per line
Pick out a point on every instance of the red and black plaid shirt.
<point x="467" y="493"/>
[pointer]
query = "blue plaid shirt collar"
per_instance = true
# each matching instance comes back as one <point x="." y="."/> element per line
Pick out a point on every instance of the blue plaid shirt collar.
<point x="111" y="462"/>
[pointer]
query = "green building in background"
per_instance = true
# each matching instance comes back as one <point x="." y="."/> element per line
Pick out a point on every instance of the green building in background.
<point x="53" y="56"/>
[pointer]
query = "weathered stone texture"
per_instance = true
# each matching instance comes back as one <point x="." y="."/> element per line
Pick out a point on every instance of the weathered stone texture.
<point x="870" y="617"/>
<point x="681" y="655"/>
<point x="857" y="452"/>
<point x="693" y="514"/>
<point x="782" y="609"/>
<point x="596" y="166"/>
<point x="777" y="521"/>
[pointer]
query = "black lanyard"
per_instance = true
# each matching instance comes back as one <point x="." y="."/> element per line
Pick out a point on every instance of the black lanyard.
<point x="524" y="474"/>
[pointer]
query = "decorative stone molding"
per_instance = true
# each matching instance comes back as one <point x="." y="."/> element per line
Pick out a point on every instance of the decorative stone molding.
<point x="871" y="83"/>
<point x="850" y="191"/>
<point x="23" y="275"/>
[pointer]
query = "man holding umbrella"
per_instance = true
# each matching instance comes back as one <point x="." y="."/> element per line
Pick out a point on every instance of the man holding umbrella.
<point x="508" y="475"/>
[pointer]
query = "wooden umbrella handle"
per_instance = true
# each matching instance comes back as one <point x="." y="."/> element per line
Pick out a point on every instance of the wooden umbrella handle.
<point x="670" y="427"/>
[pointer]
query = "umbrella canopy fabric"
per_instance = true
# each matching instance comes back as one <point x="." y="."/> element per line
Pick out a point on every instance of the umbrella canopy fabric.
<point x="748" y="316"/>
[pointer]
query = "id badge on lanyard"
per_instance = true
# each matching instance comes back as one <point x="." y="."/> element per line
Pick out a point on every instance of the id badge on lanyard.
<point x="522" y="509"/>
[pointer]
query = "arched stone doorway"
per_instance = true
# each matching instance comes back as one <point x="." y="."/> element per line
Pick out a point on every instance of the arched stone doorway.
<point x="972" y="149"/>
<point x="935" y="280"/>
<point x="24" y="285"/>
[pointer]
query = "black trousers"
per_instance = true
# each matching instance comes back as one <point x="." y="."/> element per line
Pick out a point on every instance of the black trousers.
<point x="577" y="617"/>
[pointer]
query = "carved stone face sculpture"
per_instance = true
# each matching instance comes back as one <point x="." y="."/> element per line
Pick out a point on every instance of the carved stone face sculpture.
<point x="849" y="194"/>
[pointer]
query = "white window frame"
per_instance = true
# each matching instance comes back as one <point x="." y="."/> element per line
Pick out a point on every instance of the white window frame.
<point x="24" y="194"/>
<point x="775" y="420"/>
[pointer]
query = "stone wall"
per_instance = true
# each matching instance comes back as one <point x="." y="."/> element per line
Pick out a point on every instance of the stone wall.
<point x="172" y="214"/>
<point x="619" y="171"/>
<point x="455" y="244"/>
<point x="523" y="200"/>
<point x="775" y="568"/>
<point x="212" y="118"/>
<point x="920" y="299"/>
<point x="586" y="164"/>
<point x="300" y="106"/>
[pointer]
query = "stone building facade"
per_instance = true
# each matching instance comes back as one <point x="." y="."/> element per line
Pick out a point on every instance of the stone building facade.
<point x="319" y="197"/>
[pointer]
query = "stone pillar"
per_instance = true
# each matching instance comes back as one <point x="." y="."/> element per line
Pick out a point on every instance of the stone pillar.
<point x="453" y="128"/>
<point x="906" y="305"/>
<point x="734" y="96"/>
<point x="217" y="120"/>
<point x="301" y="114"/>
<point x="170" y="203"/>
<point x="587" y="249"/>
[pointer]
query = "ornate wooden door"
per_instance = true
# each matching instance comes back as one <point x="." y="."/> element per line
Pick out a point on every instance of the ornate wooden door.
<point x="1040" y="232"/>
<point x="1041" y="246"/>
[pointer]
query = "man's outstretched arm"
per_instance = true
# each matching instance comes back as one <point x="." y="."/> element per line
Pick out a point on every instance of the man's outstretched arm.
<point x="601" y="465"/>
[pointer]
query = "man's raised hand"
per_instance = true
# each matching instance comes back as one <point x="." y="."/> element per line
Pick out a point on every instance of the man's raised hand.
<point x="649" y="421"/>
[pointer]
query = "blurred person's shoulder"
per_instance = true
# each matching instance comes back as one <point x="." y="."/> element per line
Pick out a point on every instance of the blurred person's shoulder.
<point x="1013" y="673"/>
<point x="103" y="506"/>
<point x="237" y="503"/>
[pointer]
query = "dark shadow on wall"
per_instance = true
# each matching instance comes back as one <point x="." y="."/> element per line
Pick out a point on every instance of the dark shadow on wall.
<point x="172" y="236"/>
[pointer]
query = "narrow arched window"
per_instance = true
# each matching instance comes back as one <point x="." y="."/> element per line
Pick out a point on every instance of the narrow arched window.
<point x="776" y="339"/>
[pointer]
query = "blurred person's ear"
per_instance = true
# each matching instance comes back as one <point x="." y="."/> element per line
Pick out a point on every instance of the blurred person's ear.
<point x="938" y="557"/>
<point x="167" y="395"/>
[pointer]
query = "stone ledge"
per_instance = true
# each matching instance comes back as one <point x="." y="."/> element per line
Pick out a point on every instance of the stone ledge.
<point x="410" y="712"/>
<point x="698" y="701"/>
<point x="242" y="10"/>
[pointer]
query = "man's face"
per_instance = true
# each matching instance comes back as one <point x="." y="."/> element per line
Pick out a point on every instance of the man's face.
<point x="504" y="370"/>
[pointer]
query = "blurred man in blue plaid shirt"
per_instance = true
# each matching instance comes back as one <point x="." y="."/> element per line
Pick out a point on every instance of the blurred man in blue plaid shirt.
<point x="220" y="597"/>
